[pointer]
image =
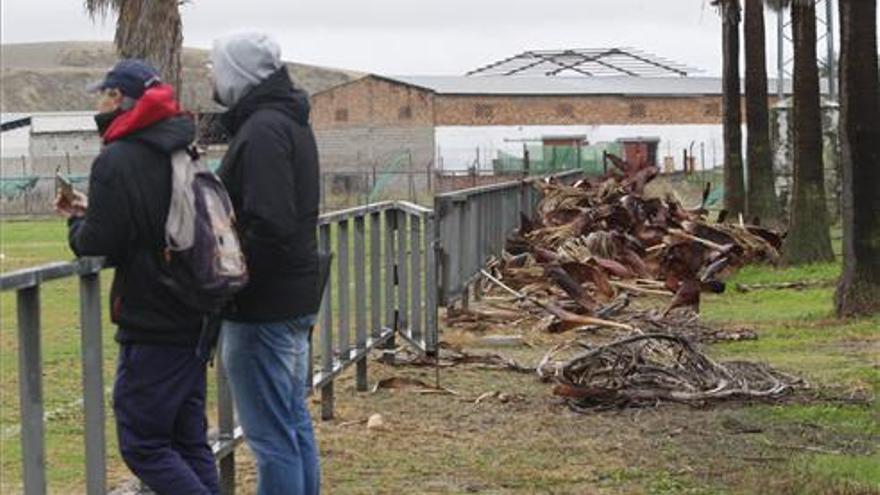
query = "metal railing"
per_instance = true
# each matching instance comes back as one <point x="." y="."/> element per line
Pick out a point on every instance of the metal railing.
<point x="383" y="264"/>
<point x="382" y="284"/>
<point x="473" y="224"/>
<point x="394" y="263"/>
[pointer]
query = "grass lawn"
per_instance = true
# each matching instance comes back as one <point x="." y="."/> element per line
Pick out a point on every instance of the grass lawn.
<point x="823" y="441"/>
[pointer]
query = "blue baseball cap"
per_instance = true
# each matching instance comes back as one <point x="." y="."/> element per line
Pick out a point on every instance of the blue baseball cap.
<point x="131" y="77"/>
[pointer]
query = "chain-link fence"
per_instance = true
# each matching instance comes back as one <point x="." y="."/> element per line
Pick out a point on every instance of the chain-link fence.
<point x="23" y="193"/>
<point x="33" y="195"/>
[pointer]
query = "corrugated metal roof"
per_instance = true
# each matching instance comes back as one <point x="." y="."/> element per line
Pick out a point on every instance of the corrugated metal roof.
<point x="61" y="122"/>
<point x="542" y="85"/>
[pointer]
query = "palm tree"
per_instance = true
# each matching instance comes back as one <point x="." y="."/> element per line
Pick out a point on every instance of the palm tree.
<point x="761" y="200"/>
<point x="858" y="291"/>
<point x="146" y="29"/>
<point x="731" y="104"/>
<point x="808" y="239"/>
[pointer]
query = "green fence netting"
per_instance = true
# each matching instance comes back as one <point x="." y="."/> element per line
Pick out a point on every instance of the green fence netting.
<point x="11" y="188"/>
<point x="549" y="159"/>
<point x="387" y="173"/>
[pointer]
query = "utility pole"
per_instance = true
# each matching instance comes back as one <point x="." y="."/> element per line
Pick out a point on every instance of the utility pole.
<point x="780" y="51"/>
<point x="831" y="60"/>
<point x="826" y="37"/>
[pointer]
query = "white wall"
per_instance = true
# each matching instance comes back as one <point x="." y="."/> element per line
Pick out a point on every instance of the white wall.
<point x="457" y="145"/>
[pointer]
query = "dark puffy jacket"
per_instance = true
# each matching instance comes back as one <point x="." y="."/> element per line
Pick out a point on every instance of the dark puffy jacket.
<point x="129" y="195"/>
<point x="271" y="172"/>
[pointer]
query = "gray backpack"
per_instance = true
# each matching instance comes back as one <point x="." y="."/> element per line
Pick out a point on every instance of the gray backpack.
<point x="204" y="263"/>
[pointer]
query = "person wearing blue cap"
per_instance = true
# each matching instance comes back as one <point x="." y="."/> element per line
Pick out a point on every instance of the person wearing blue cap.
<point x="271" y="172"/>
<point x="160" y="387"/>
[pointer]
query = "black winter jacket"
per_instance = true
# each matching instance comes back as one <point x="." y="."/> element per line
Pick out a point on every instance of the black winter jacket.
<point x="271" y="173"/>
<point x="129" y="195"/>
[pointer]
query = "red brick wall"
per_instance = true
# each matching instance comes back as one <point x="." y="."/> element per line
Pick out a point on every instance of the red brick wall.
<point x="372" y="101"/>
<point x="379" y="102"/>
<point x="576" y="110"/>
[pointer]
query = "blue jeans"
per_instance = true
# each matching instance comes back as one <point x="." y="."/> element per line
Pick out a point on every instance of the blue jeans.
<point x="267" y="365"/>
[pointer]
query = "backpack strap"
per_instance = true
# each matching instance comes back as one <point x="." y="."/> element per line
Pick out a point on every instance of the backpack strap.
<point x="180" y="224"/>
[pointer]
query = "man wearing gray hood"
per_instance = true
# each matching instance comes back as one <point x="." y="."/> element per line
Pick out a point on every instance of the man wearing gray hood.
<point x="271" y="172"/>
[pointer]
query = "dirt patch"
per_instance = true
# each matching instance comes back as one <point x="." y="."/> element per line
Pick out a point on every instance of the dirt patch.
<point x="504" y="432"/>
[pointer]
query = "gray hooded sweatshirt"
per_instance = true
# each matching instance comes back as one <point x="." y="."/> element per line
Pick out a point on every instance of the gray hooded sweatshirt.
<point x="241" y="61"/>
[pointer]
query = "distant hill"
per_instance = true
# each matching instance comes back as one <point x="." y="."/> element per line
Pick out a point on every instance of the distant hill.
<point x="46" y="77"/>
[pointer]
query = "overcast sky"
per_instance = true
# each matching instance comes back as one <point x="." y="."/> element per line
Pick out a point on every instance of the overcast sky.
<point x="416" y="36"/>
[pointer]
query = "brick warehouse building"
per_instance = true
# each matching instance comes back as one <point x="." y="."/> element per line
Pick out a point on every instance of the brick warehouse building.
<point x="448" y="122"/>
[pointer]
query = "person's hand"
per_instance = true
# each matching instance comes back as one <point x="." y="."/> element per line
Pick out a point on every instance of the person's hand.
<point x="71" y="207"/>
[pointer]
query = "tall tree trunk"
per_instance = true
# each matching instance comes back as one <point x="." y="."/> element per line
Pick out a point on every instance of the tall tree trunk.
<point x="731" y="102"/>
<point x="151" y="30"/>
<point x="858" y="291"/>
<point x="761" y="201"/>
<point x="808" y="238"/>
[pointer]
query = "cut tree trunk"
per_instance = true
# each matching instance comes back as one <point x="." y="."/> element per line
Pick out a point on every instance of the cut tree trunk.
<point x="151" y="30"/>
<point x="858" y="290"/>
<point x="761" y="201"/>
<point x="731" y="103"/>
<point x="808" y="239"/>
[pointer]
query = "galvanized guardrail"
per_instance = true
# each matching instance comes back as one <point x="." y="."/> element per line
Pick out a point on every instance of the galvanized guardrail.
<point x="384" y="258"/>
<point x="382" y="280"/>
<point x="473" y="224"/>
<point x="383" y="283"/>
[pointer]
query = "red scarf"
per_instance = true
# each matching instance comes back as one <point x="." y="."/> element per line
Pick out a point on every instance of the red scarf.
<point x="157" y="103"/>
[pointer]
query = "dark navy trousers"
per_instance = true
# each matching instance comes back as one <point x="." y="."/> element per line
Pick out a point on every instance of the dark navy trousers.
<point x="159" y="401"/>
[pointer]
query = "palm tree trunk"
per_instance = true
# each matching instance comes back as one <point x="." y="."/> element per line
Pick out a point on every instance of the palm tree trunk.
<point x="858" y="291"/>
<point x="808" y="239"/>
<point x="151" y="30"/>
<point x="761" y="201"/>
<point x="731" y="102"/>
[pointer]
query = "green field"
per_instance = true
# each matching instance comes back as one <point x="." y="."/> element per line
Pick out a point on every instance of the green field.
<point x="27" y="243"/>
<point x="825" y="441"/>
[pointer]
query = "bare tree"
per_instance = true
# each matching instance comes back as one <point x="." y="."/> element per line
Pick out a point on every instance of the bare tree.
<point x="858" y="291"/>
<point x="761" y="201"/>
<point x="147" y="29"/>
<point x="809" y="239"/>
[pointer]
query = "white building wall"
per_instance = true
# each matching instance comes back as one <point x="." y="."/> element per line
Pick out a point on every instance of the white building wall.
<point x="460" y="147"/>
<point x="72" y="151"/>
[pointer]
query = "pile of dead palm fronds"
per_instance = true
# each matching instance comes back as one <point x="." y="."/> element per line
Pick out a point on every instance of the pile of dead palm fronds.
<point x="647" y="369"/>
<point x="575" y="267"/>
<point x="599" y="237"/>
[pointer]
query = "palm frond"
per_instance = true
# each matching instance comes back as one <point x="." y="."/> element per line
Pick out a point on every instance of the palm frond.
<point x="100" y="8"/>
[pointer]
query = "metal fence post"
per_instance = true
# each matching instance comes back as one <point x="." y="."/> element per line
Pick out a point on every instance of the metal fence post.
<point x="391" y="278"/>
<point x="327" y="395"/>
<point x="344" y="289"/>
<point x="415" y="246"/>
<point x="432" y="269"/>
<point x="402" y="279"/>
<point x="93" y="383"/>
<point x="457" y="255"/>
<point x="360" y="304"/>
<point x="226" y="424"/>
<point x="30" y="392"/>
<point x="375" y="273"/>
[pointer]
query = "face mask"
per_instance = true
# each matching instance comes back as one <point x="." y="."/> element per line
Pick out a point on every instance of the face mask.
<point x="105" y="119"/>
<point x="216" y="96"/>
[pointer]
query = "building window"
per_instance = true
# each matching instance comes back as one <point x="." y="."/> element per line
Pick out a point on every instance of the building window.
<point x="404" y="113"/>
<point x="712" y="109"/>
<point x="484" y="111"/>
<point x="637" y="110"/>
<point x="565" y="110"/>
<point x="341" y="115"/>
